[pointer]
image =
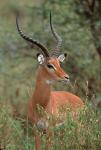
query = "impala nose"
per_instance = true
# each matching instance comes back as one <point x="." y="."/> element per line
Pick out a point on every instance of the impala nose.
<point x="66" y="77"/>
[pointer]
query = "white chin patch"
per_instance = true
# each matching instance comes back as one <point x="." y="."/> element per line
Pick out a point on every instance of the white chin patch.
<point x="49" y="81"/>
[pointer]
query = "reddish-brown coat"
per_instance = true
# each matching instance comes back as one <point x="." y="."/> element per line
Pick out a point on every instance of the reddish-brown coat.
<point x="50" y="100"/>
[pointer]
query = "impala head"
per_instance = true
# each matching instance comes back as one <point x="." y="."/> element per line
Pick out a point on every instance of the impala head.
<point x="50" y="63"/>
<point x="52" y="67"/>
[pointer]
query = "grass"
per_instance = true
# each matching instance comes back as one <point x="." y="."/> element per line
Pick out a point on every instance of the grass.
<point x="83" y="133"/>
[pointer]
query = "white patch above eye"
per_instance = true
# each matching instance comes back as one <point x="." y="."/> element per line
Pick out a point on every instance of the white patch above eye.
<point x="62" y="57"/>
<point x="41" y="59"/>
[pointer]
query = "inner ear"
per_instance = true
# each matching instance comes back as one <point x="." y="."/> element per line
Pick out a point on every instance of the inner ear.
<point x="40" y="58"/>
<point x="62" y="57"/>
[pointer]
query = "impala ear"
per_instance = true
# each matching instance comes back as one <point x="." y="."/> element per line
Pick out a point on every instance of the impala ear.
<point x="40" y="58"/>
<point x="62" y="57"/>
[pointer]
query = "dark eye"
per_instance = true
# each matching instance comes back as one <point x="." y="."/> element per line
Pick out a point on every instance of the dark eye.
<point x="50" y="66"/>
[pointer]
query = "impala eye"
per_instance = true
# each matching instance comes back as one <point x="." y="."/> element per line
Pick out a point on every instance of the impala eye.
<point x="50" y="66"/>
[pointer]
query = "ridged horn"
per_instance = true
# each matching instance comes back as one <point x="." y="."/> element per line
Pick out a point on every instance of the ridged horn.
<point x="55" y="34"/>
<point x="30" y="40"/>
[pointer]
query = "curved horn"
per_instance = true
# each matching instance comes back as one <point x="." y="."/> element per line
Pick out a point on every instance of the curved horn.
<point x="57" y="37"/>
<point x="44" y="49"/>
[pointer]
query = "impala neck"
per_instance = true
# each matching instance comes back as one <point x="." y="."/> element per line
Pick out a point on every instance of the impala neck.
<point x="42" y="91"/>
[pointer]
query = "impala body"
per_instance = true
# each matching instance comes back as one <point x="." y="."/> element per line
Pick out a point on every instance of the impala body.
<point x="43" y="95"/>
<point x="51" y="101"/>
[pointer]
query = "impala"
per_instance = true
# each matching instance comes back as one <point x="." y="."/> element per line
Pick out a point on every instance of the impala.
<point x="51" y="101"/>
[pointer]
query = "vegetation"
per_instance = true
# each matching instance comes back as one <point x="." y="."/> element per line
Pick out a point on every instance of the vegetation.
<point x="18" y="67"/>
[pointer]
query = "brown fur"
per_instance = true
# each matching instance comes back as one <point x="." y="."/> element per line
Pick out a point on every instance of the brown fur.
<point x="51" y="101"/>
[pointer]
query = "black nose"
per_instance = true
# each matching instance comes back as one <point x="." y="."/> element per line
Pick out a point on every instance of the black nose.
<point x="67" y="77"/>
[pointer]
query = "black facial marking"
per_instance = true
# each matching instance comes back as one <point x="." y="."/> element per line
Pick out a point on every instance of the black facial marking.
<point x="50" y="66"/>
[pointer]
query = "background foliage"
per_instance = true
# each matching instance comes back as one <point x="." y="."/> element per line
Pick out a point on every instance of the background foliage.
<point x="80" y="27"/>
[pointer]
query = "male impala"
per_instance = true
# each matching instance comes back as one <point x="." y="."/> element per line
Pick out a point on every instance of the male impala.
<point x="48" y="72"/>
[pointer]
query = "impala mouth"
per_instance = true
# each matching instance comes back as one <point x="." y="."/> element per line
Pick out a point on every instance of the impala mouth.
<point x="64" y="80"/>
